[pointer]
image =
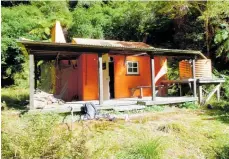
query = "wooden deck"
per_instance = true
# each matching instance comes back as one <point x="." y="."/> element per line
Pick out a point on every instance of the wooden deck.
<point x="122" y="104"/>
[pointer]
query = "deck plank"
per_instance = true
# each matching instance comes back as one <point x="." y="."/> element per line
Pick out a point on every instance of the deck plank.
<point x="169" y="100"/>
<point x="115" y="104"/>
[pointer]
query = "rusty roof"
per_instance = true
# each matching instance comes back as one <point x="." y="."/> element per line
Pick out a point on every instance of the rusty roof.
<point x="50" y="50"/>
<point x="110" y="43"/>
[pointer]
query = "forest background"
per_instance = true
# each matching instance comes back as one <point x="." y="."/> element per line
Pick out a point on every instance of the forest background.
<point x="196" y="25"/>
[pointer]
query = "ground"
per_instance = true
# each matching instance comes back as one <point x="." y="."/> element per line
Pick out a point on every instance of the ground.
<point x="175" y="131"/>
<point x="157" y="132"/>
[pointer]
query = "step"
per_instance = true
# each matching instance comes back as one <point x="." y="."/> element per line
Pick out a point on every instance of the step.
<point x="168" y="100"/>
<point x="127" y="108"/>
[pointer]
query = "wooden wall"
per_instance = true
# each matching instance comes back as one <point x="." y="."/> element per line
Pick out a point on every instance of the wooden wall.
<point x="83" y="81"/>
<point x="123" y="81"/>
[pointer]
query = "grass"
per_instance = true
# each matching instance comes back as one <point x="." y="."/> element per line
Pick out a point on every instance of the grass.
<point x="172" y="127"/>
<point x="180" y="134"/>
<point x="154" y="108"/>
<point x="13" y="97"/>
<point x="220" y="110"/>
<point x="146" y="148"/>
<point x="155" y="132"/>
<point x="188" y="105"/>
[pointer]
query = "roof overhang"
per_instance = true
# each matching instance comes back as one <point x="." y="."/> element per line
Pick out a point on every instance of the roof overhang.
<point x="50" y="51"/>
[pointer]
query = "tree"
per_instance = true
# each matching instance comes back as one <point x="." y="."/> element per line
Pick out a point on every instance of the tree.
<point x="88" y="22"/>
<point x="29" y="21"/>
<point x="16" y="22"/>
<point x="212" y="13"/>
<point x="199" y="25"/>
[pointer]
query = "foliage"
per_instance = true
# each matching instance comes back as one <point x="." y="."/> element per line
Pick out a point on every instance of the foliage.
<point x="14" y="97"/>
<point x="39" y="136"/>
<point x="154" y="108"/>
<point x="220" y="105"/>
<point x="150" y="148"/>
<point x="89" y="22"/>
<point x="173" y="74"/>
<point x="221" y="39"/>
<point x="31" y="22"/>
<point x="30" y="138"/>
<point x="172" y="127"/>
<point x="116" y="20"/>
<point x="184" y="134"/>
<point x="47" y="77"/>
<point x="175" y="24"/>
<point x="225" y="86"/>
<point x="129" y="21"/>
<point x="188" y="105"/>
<point x="21" y="79"/>
<point x="16" y="22"/>
<point x="52" y="11"/>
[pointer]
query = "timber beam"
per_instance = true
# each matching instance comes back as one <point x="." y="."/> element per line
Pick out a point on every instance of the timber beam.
<point x="31" y="81"/>
<point x="194" y="77"/>
<point x="100" y="76"/>
<point x="153" y="82"/>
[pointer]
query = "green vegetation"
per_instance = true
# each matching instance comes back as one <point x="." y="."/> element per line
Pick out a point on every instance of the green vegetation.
<point x="14" y="97"/>
<point x="146" y="148"/>
<point x="179" y="24"/>
<point x="189" y="105"/>
<point x="178" y="134"/>
<point x="172" y="127"/>
<point x="153" y="133"/>
<point x="154" y="108"/>
<point x="186" y="132"/>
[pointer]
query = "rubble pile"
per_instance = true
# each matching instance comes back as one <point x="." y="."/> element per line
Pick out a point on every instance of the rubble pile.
<point x="43" y="99"/>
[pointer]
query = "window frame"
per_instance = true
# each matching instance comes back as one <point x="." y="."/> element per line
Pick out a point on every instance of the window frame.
<point x="127" y="68"/>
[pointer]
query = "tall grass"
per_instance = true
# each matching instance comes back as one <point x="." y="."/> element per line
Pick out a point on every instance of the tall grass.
<point x="146" y="148"/>
<point x="14" y="97"/>
<point x="172" y="127"/>
<point x="39" y="136"/>
<point x="188" y="105"/>
<point x="149" y="149"/>
<point x="176" y="135"/>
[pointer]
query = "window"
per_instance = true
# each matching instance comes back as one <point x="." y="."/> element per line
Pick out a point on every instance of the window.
<point x="132" y="68"/>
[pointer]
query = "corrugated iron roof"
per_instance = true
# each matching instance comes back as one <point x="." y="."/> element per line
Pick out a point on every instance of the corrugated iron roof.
<point x="121" y="47"/>
<point x="110" y="43"/>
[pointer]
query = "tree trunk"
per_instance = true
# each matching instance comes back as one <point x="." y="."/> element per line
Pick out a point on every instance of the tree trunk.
<point x="207" y="37"/>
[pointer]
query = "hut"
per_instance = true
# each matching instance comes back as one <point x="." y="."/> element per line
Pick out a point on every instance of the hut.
<point x="95" y="69"/>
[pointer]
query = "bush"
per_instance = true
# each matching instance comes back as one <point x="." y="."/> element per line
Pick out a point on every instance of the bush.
<point x="30" y="137"/>
<point x="21" y="79"/>
<point x="154" y="108"/>
<point x="225" y="85"/>
<point x="148" y="149"/>
<point x="40" y="136"/>
<point x="172" y="127"/>
<point x="224" y="153"/>
<point x="188" y="105"/>
<point x="15" y="97"/>
<point x="221" y="105"/>
<point x="145" y="149"/>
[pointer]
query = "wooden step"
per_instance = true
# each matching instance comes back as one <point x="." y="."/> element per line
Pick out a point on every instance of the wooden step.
<point x="127" y="108"/>
<point x="168" y="100"/>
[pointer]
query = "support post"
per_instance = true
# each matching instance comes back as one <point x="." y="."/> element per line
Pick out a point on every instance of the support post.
<point x="212" y="93"/>
<point x="200" y="94"/>
<point x="153" y="87"/>
<point x="180" y="87"/>
<point x="35" y="64"/>
<point x="218" y="93"/>
<point x="100" y="67"/>
<point x="31" y="81"/>
<point x="194" y="76"/>
<point x="141" y="92"/>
